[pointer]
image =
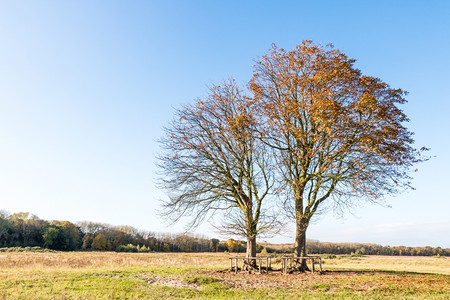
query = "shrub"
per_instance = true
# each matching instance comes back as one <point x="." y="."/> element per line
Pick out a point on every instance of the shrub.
<point x="25" y="249"/>
<point x="127" y="248"/>
<point x="144" y="249"/>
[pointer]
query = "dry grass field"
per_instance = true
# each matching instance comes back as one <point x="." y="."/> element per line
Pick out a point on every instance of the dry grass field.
<point x="105" y="275"/>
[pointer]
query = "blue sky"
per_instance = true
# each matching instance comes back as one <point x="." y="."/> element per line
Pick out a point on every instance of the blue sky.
<point x="86" y="87"/>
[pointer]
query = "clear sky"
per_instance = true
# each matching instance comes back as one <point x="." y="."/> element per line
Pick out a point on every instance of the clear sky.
<point x="86" y="87"/>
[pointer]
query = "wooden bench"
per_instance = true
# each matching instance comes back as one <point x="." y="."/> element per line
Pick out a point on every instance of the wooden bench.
<point x="288" y="260"/>
<point x="246" y="263"/>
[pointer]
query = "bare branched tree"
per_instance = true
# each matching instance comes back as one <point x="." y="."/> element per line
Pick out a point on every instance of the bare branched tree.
<point x="212" y="163"/>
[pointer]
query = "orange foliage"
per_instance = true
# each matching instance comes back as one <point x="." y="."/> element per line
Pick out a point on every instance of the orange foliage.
<point x="337" y="133"/>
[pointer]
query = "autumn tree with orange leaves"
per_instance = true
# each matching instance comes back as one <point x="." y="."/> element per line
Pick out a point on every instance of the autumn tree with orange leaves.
<point x="337" y="136"/>
<point x="213" y="163"/>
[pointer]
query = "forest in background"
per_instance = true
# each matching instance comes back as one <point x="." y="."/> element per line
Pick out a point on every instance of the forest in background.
<point x="25" y="231"/>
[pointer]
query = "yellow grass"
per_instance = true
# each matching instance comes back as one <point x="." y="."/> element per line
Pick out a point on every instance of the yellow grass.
<point x="419" y="264"/>
<point x="109" y="260"/>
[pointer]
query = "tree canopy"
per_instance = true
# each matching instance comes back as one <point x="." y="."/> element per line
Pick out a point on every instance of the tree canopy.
<point x="334" y="133"/>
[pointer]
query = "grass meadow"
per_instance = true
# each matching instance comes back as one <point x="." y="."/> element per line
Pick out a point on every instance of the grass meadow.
<point x="108" y="275"/>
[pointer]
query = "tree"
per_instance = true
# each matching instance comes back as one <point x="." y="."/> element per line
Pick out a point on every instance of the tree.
<point x="87" y="241"/>
<point x="28" y="229"/>
<point x="232" y="245"/>
<point x="213" y="163"/>
<point x="55" y="237"/>
<point x="50" y="236"/>
<point x="335" y="133"/>
<point x="99" y="242"/>
<point x="214" y="244"/>
<point x="6" y="228"/>
<point x="73" y="234"/>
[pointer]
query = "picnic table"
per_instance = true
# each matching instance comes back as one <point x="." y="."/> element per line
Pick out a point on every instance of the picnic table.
<point x="289" y="260"/>
<point x="247" y="263"/>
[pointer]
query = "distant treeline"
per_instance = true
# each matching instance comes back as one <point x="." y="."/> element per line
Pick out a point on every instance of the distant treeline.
<point x="27" y="230"/>
<point x="317" y="247"/>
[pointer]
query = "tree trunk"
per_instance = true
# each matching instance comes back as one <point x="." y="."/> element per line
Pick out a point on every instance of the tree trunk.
<point x="300" y="243"/>
<point x="250" y="231"/>
<point x="251" y="246"/>
<point x="251" y="238"/>
<point x="250" y="264"/>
